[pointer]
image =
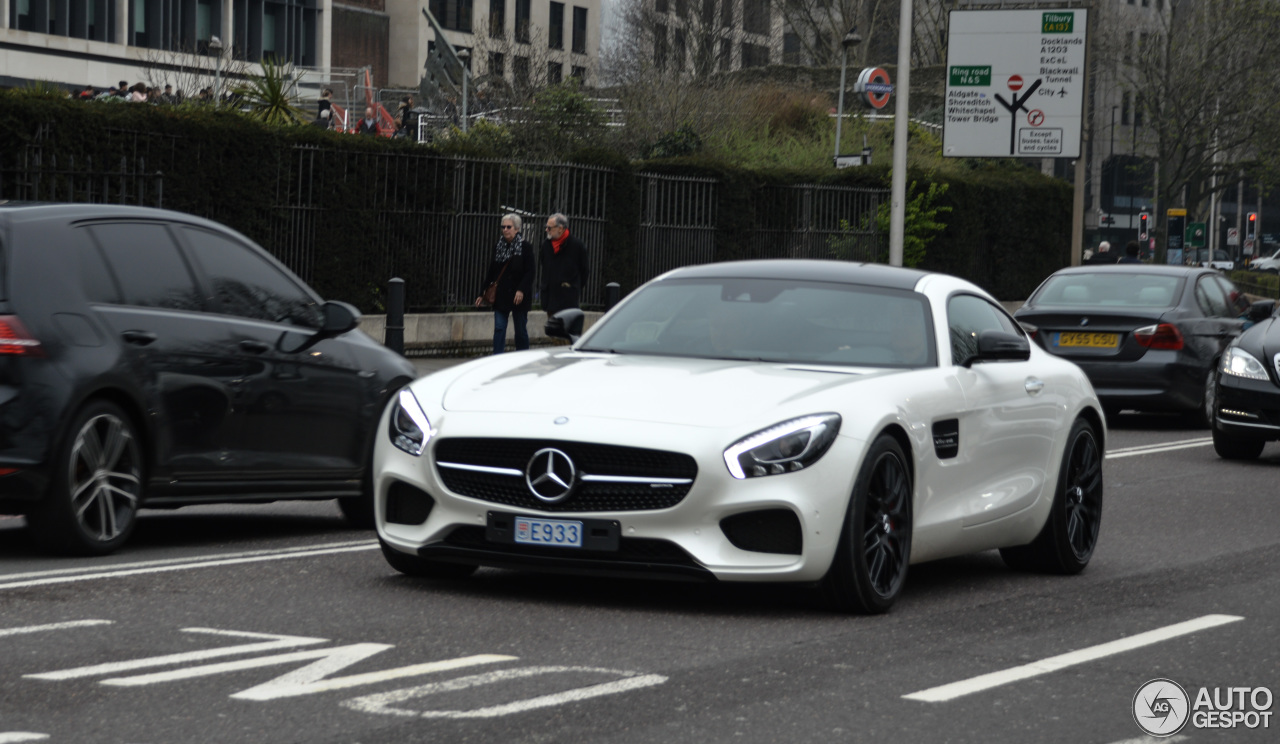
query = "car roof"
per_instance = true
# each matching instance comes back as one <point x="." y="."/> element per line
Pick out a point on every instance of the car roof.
<point x="1135" y="268"/>
<point x="14" y="212"/>
<point x="816" y="270"/>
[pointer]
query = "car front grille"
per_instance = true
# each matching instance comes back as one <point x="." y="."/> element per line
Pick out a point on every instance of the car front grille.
<point x="630" y="549"/>
<point x="610" y="477"/>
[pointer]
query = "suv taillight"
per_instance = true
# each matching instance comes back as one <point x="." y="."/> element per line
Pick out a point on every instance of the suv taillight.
<point x="15" y="340"/>
<point x="1163" y="336"/>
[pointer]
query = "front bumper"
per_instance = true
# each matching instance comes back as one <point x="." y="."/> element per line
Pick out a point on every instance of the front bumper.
<point x="1248" y="408"/>
<point x="683" y="541"/>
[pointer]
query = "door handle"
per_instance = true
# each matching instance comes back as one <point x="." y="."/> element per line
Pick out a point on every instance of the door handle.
<point x="138" y="338"/>
<point x="1033" y="386"/>
<point x="254" y="347"/>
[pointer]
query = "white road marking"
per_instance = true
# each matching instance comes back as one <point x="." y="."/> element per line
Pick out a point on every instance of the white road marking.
<point x="1153" y="740"/>
<point x="1151" y="449"/>
<point x="1045" y="666"/>
<point x="13" y="737"/>
<point x="382" y="703"/>
<point x="277" y="642"/>
<point x="310" y="679"/>
<point x="62" y="577"/>
<point x="51" y="626"/>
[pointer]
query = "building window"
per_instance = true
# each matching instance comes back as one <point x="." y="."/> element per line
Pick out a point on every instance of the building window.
<point x="660" y="6"/>
<point x="1137" y="110"/>
<point x="497" y="18"/>
<point x="754" y="55"/>
<point x="579" y="72"/>
<point x="755" y="16"/>
<point x="555" y="73"/>
<point x="725" y="57"/>
<point x="579" y="30"/>
<point x="555" y="27"/>
<point x="726" y="14"/>
<point x="497" y="64"/>
<point x="791" y="48"/>
<point x="522" y="21"/>
<point x="1124" y="110"/>
<point x="681" y="51"/>
<point x="660" y="47"/>
<point x="520" y="71"/>
<point x="452" y="14"/>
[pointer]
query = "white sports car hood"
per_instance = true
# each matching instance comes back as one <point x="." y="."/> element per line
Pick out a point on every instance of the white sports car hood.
<point x="699" y="392"/>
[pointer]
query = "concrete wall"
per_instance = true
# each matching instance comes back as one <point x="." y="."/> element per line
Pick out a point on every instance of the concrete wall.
<point x="458" y="334"/>
<point x="361" y="31"/>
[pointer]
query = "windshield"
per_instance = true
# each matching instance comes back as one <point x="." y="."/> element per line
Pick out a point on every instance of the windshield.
<point x="771" y="320"/>
<point x="1110" y="288"/>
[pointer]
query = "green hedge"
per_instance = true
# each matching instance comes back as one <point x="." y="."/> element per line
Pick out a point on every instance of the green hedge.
<point x="1008" y="228"/>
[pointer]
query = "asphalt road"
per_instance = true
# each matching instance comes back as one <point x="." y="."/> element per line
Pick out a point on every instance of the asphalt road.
<point x="276" y="623"/>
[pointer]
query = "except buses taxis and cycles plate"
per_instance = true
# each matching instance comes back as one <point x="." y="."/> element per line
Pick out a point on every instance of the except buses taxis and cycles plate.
<point x="1087" y="339"/>
<point x="558" y="533"/>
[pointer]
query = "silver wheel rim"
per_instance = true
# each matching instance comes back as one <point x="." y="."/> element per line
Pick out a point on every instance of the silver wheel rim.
<point x="104" y="477"/>
<point x="1209" y="402"/>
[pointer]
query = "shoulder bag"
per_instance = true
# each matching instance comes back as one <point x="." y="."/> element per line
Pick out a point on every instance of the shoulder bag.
<point x="491" y="292"/>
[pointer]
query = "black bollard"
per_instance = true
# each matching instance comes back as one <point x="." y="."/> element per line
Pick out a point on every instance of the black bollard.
<point x="612" y="293"/>
<point x="394" y="338"/>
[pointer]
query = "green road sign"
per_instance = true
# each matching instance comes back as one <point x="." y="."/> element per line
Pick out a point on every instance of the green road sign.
<point x="970" y="75"/>
<point x="1057" y="23"/>
<point x="1195" y="235"/>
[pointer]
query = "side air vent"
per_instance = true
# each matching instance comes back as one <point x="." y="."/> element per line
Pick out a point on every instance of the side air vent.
<point x="408" y="505"/>
<point x="765" y="531"/>
<point x="946" y="438"/>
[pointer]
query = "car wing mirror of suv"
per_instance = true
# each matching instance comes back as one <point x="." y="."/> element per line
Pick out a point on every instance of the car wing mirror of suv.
<point x="1261" y="310"/>
<point x="565" y="324"/>
<point x="339" y="317"/>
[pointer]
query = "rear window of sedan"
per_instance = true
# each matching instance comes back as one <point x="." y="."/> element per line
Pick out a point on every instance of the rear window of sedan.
<point x="1113" y="288"/>
<point x="772" y="320"/>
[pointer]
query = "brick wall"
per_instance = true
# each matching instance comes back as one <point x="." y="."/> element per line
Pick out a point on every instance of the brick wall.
<point x="362" y="38"/>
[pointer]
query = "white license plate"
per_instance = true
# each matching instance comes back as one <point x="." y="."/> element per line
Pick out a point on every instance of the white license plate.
<point x="557" y="533"/>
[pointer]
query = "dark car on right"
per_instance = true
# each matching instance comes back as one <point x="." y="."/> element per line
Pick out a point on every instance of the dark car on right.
<point x="1149" y="337"/>
<point x="1248" y="392"/>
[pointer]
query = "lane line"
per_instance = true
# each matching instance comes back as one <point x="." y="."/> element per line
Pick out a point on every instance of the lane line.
<point x="1155" y="449"/>
<point x="52" y="626"/>
<point x="205" y="563"/>
<point x="954" y="690"/>
<point x="1176" y="442"/>
<point x="13" y="737"/>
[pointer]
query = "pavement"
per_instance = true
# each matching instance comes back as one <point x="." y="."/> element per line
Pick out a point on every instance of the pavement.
<point x="427" y="365"/>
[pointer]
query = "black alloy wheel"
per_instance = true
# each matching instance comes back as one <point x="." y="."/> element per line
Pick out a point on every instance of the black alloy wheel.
<point x="871" y="561"/>
<point x="92" y="505"/>
<point x="1067" y="540"/>
<point x="1202" y="417"/>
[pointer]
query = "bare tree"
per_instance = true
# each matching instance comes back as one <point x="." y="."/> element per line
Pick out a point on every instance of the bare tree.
<point x="188" y="71"/>
<point x="1203" y="81"/>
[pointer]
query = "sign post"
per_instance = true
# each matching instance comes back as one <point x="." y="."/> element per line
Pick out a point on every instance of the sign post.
<point x="1174" y="235"/>
<point x="1015" y="83"/>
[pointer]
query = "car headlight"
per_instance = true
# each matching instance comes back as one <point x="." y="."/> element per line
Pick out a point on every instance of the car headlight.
<point x="409" y="430"/>
<point x="1240" y="363"/>
<point x="783" y="448"/>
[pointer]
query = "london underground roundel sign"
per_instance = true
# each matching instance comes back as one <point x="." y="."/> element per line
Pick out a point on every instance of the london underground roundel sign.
<point x="873" y="84"/>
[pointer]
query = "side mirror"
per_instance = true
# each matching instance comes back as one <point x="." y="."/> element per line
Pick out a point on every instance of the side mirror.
<point x="566" y="324"/>
<point x="339" y="317"/>
<point x="999" y="346"/>
<point x="1261" y="310"/>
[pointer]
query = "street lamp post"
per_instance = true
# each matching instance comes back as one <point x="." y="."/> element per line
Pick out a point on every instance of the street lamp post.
<point x="464" y="55"/>
<point x="1112" y="157"/>
<point x="215" y="46"/>
<point x="853" y="38"/>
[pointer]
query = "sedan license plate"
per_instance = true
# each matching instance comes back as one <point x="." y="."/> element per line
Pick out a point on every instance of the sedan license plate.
<point x="557" y="533"/>
<point x="1090" y="340"/>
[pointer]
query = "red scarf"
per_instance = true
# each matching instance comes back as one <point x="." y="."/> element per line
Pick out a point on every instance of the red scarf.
<point x="555" y="244"/>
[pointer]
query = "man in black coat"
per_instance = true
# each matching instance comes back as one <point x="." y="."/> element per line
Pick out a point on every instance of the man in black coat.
<point x="564" y="266"/>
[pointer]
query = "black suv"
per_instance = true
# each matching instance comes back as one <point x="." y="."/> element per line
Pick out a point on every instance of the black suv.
<point x="154" y="359"/>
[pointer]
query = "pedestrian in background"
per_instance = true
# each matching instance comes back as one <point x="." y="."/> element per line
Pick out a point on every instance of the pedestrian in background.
<point x="510" y="273"/>
<point x="369" y="124"/>
<point x="1104" y="255"/>
<point x="564" y="266"/>
<point x="1131" y="251"/>
<point x="324" y="109"/>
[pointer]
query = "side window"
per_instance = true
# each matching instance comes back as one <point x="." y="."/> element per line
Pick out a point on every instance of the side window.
<point x="967" y="316"/>
<point x="1211" y="298"/>
<point x="95" y="277"/>
<point x="248" y="286"/>
<point x="1236" y="301"/>
<point x="148" y="266"/>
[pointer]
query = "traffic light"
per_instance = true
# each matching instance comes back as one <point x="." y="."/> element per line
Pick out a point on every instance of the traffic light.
<point x="1143" y="229"/>
<point x="1251" y="226"/>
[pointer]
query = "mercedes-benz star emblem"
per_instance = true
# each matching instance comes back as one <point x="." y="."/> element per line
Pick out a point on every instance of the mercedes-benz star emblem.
<point x="1084" y="321"/>
<point x="550" y="475"/>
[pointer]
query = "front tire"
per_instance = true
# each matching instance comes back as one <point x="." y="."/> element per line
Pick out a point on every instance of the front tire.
<point x="871" y="561"/>
<point x="97" y="485"/>
<point x="1070" y="534"/>
<point x="1202" y="417"/>
<point x="412" y="565"/>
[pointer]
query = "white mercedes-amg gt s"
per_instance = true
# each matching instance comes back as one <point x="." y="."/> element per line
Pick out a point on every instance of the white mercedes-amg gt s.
<point x="806" y="421"/>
